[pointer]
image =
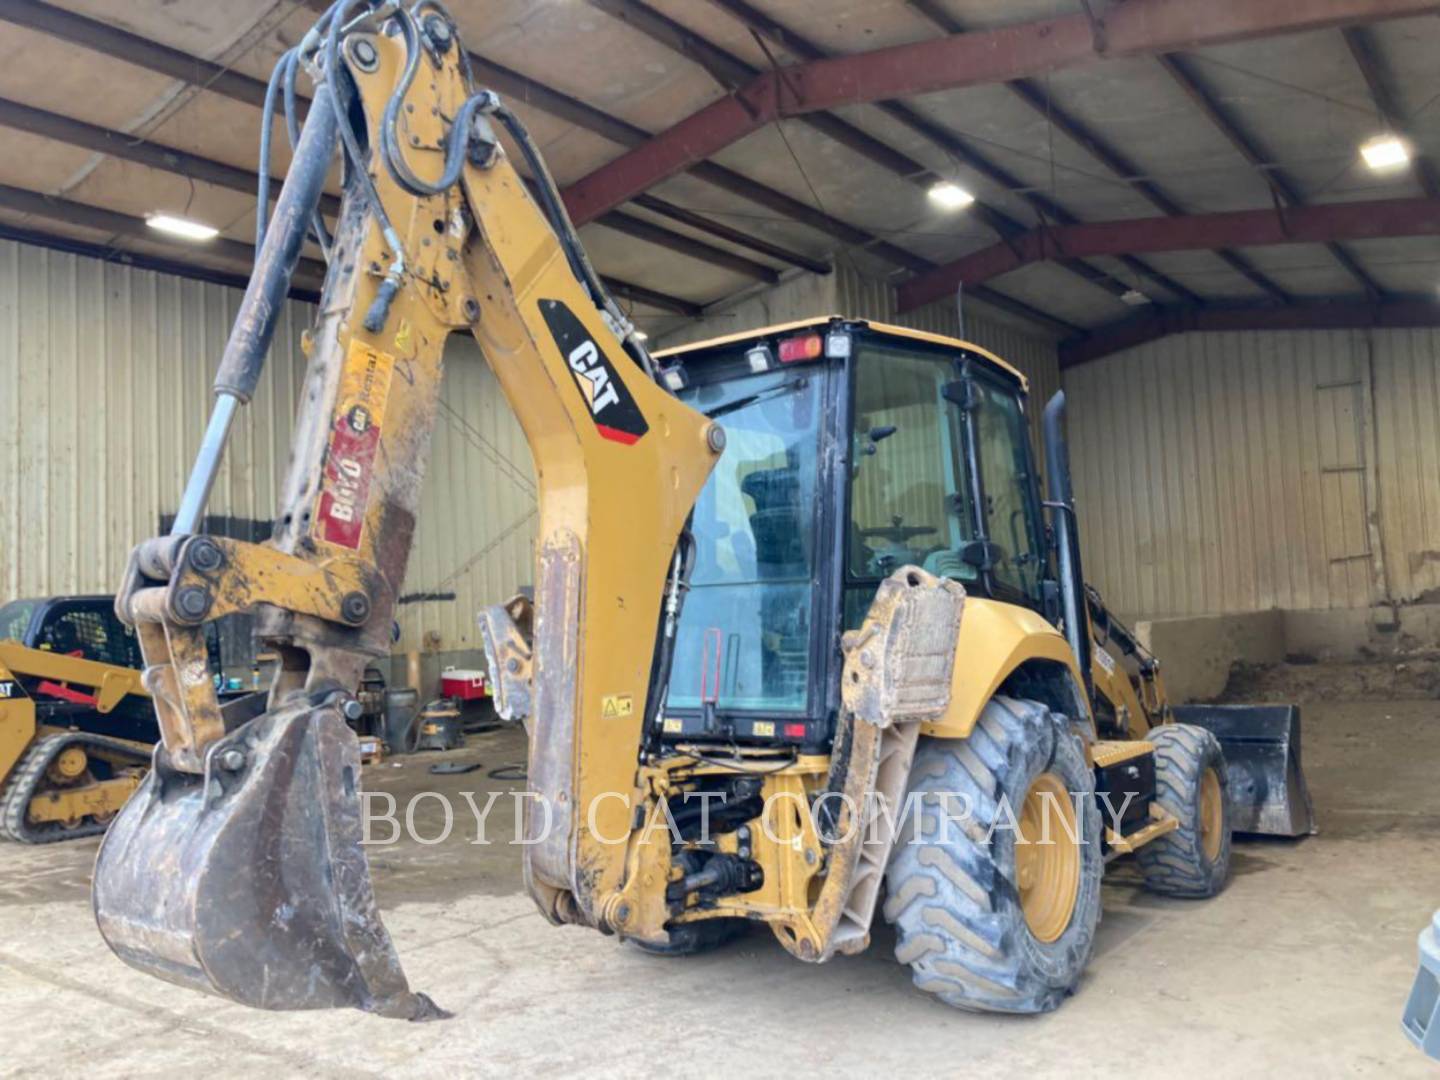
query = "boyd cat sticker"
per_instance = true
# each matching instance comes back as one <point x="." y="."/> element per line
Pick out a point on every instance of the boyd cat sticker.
<point x="354" y="440"/>
<point x="614" y="411"/>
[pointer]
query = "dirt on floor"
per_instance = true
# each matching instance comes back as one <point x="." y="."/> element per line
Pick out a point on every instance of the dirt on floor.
<point x="1300" y="967"/>
<point x="1406" y="677"/>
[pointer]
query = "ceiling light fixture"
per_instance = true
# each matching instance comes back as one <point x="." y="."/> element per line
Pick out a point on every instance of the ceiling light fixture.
<point x="949" y="196"/>
<point x="640" y="335"/>
<point x="1134" y="297"/>
<point x="178" y="226"/>
<point x="1385" y="152"/>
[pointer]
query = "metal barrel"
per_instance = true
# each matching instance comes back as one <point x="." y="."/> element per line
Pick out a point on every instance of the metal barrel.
<point x="1268" y="793"/>
<point x="250" y="881"/>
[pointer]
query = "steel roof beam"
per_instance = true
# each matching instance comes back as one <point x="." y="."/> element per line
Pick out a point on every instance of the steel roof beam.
<point x="1180" y="69"/>
<point x="1367" y="59"/>
<point x="310" y="273"/>
<point x="638" y="294"/>
<point x="70" y="212"/>
<point x="1135" y="28"/>
<point x="1196" y="232"/>
<point x="192" y="166"/>
<point x="732" y="72"/>
<point x="78" y="30"/>
<point x="1046" y="208"/>
<point x="724" y="232"/>
<point x="141" y="260"/>
<point x="640" y="229"/>
<point x="1338" y="314"/>
<point x="1038" y="99"/>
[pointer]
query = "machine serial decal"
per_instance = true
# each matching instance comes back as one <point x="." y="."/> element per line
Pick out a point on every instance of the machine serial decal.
<point x="1105" y="660"/>
<point x="617" y="417"/>
<point x="354" y="440"/>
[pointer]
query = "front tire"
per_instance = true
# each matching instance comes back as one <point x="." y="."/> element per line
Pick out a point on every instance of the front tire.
<point x="977" y="930"/>
<point x="1193" y="861"/>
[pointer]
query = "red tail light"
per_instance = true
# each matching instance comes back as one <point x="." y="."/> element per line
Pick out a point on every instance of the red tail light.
<point x="800" y="348"/>
<point x="794" y="731"/>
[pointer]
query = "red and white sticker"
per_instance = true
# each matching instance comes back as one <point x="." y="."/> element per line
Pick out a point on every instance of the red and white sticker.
<point x="354" y="442"/>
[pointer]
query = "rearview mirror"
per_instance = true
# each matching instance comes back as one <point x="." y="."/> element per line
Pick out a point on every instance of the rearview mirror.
<point x="981" y="554"/>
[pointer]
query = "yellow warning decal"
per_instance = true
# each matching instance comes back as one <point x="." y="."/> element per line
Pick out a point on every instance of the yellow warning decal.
<point x="674" y="726"/>
<point x="764" y="729"/>
<point x="614" y="706"/>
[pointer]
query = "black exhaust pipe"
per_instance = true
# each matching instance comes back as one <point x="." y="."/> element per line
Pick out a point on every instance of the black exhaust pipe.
<point x="1067" y="536"/>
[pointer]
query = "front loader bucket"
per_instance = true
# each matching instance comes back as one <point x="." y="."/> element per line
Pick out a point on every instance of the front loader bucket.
<point x="250" y="882"/>
<point x="1268" y="794"/>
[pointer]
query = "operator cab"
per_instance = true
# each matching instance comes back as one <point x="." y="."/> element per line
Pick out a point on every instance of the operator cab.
<point x="852" y="448"/>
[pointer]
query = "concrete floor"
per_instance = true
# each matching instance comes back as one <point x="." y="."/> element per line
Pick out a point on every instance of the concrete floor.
<point x="1299" y="968"/>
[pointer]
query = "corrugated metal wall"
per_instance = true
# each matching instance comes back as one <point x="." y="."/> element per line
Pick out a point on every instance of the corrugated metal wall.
<point x="105" y="379"/>
<point x="105" y="376"/>
<point x="477" y="521"/>
<point x="1246" y="471"/>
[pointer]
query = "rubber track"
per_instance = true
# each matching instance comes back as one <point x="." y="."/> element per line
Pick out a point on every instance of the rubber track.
<point x="28" y="776"/>
<point x="1174" y="864"/>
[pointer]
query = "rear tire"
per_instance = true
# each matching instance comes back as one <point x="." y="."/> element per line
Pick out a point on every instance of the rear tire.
<point x="1190" y="783"/>
<point x="952" y="888"/>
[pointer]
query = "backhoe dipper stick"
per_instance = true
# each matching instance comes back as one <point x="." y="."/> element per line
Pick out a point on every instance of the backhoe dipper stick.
<point x="244" y="355"/>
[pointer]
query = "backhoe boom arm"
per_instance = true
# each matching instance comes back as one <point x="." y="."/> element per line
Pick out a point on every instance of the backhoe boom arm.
<point x="437" y="233"/>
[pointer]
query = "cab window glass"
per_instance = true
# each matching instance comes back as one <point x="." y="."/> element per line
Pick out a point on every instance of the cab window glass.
<point x="1009" y="504"/>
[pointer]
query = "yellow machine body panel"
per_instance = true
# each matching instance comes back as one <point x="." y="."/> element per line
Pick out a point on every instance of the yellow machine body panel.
<point x="892" y="329"/>
<point x="62" y="791"/>
<point x="17" y="725"/>
<point x="996" y="639"/>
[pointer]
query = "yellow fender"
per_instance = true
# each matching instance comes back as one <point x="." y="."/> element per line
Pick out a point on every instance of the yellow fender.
<point x="996" y="639"/>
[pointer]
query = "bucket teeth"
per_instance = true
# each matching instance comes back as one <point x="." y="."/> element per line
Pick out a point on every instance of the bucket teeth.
<point x="250" y="881"/>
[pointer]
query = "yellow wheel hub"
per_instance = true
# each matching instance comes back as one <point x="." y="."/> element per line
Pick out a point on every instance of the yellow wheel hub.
<point x="1212" y="816"/>
<point x="1047" y="858"/>
<point x="69" y="765"/>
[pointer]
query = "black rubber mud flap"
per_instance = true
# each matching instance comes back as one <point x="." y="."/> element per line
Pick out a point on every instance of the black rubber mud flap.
<point x="250" y="882"/>
<point x="1268" y="793"/>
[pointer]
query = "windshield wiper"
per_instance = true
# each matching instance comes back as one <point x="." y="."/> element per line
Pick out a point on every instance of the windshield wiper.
<point x="760" y="395"/>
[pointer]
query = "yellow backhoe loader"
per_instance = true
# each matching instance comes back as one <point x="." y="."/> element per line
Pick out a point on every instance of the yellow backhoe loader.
<point x="800" y="636"/>
<point x="76" y="726"/>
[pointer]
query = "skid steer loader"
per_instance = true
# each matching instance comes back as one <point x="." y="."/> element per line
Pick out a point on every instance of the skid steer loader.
<point x="800" y="635"/>
<point x="76" y="726"/>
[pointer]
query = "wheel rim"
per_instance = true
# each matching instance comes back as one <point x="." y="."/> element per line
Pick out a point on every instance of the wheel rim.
<point x="1212" y="816"/>
<point x="69" y="765"/>
<point x="1047" y="858"/>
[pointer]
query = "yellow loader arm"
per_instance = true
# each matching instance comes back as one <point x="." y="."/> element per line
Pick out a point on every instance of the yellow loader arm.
<point x="237" y="869"/>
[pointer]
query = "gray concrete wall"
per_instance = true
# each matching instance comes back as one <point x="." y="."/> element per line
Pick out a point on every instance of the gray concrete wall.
<point x="1196" y="654"/>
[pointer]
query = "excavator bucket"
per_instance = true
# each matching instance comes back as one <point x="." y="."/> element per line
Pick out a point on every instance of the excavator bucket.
<point x="1268" y="794"/>
<point x="249" y="881"/>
